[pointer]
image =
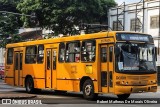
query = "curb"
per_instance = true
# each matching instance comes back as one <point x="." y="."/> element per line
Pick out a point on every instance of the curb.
<point x="16" y="96"/>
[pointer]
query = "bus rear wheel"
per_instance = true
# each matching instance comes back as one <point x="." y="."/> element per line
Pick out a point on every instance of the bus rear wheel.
<point x="29" y="85"/>
<point x="123" y="96"/>
<point x="88" y="90"/>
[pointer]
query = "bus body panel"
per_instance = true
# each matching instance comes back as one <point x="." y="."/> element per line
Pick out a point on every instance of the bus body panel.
<point x="68" y="76"/>
<point x="129" y="83"/>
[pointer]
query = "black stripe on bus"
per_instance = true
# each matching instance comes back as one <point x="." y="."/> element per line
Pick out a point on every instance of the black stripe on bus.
<point x="38" y="78"/>
<point x="9" y="77"/>
<point x="71" y="79"/>
<point x="34" y="78"/>
<point x="66" y="79"/>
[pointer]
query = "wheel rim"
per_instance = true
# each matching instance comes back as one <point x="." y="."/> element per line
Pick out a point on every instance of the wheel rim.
<point x="88" y="89"/>
<point x="29" y="86"/>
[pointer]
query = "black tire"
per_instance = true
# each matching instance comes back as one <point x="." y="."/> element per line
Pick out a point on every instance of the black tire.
<point x="29" y="85"/>
<point x="88" y="90"/>
<point x="123" y="96"/>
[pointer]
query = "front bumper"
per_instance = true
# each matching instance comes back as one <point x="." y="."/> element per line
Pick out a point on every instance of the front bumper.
<point x="134" y="89"/>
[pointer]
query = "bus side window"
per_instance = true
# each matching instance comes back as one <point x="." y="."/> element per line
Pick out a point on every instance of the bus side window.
<point x="10" y="56"/>
<point x="48" y="60"/>
<point x="31" y="54"/>
<point x="40" y="55"/>
<point x="73" y="51"/>
<point x="88" y="51"/>
<point x="103" y="54"/>
<point x="110" y="53"/>
<point x="61" y="57"/>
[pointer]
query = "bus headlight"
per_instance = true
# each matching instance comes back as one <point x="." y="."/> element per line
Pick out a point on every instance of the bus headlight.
<point x="154" y="82"/>
<point x="121" y="83"/>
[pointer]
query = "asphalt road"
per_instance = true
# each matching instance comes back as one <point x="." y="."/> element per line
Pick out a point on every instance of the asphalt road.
<point x="50" y="98"/>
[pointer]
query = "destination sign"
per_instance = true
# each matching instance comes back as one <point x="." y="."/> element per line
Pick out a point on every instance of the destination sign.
<point x="134" y="37"/>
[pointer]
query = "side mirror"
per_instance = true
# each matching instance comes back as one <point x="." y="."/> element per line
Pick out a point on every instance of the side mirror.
<point x="117" y="51"/>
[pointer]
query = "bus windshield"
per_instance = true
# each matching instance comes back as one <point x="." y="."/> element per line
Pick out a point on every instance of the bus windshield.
<point x="135" y="57"/>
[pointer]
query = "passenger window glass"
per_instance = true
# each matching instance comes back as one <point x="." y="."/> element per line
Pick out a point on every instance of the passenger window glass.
<point x="40" y="56"/>
<point x="48" y="60"/>
<point x="61" y="52"/>
<point x="16" y="61"/>
<point x="110" y="54"/>
<point x="10" y="56"/>
<point x="30" y="56"/>
<point x="103" y="54"/>
<point x="73" y="52"/>
<point x="21" y="58"/>
<point x="88" y="51"/>
<point x="54" y="59"/>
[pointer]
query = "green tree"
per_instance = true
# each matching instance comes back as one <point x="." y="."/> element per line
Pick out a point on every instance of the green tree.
<point x="9" y="22"/>
<point x="63" y="15"/>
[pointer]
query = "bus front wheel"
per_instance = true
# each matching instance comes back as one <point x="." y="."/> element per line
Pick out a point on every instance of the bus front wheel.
<point x="29" y="85"/>
<point x="88" y="90"/>
<point x="123" y="96"/>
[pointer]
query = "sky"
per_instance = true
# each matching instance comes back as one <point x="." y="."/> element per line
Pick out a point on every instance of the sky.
<point x="126" y="1"/>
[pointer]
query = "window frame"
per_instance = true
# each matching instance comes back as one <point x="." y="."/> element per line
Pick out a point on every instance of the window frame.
<point x="35" y="54"/>
<point x="16" y="65"/>
<point x="93" y="41"/>
<point x="132" y="27"/>
<point x="103" y="53"/>
<point x="120" y="27"/>
<point x="59" y="52"/>
<point x="156" y="22"/>
<point x="74" y="53"/>
<point x="110" y="53"/>
<point x="10" y="63"/>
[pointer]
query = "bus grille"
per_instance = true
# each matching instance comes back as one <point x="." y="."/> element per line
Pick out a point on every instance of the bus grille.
<point x="139" y="83"/>
<point x="138" y="77"/>
<point x="133" y="77"/>
<point x="144" y="77"/>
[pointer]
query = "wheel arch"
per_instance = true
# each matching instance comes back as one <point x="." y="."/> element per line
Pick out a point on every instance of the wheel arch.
<point x="27" y="76"/>
<point x="83" y="79"/>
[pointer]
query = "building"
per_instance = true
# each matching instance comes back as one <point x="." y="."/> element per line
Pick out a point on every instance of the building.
<point x="142" y="17"/>
<point x="30" y="33"/>
<point x="26" y="34"/>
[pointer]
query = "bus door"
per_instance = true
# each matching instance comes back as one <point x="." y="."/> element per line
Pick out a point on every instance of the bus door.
<point x="51" y="62"/>
<point x="106" y="68"/>
<point x="18" y="56"/>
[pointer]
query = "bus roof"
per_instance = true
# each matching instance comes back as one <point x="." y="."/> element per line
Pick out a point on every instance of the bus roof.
<point x="69" y="38"/>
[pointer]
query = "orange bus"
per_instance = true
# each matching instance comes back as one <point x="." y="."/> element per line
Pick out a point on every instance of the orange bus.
<point x="114" y="62"/>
